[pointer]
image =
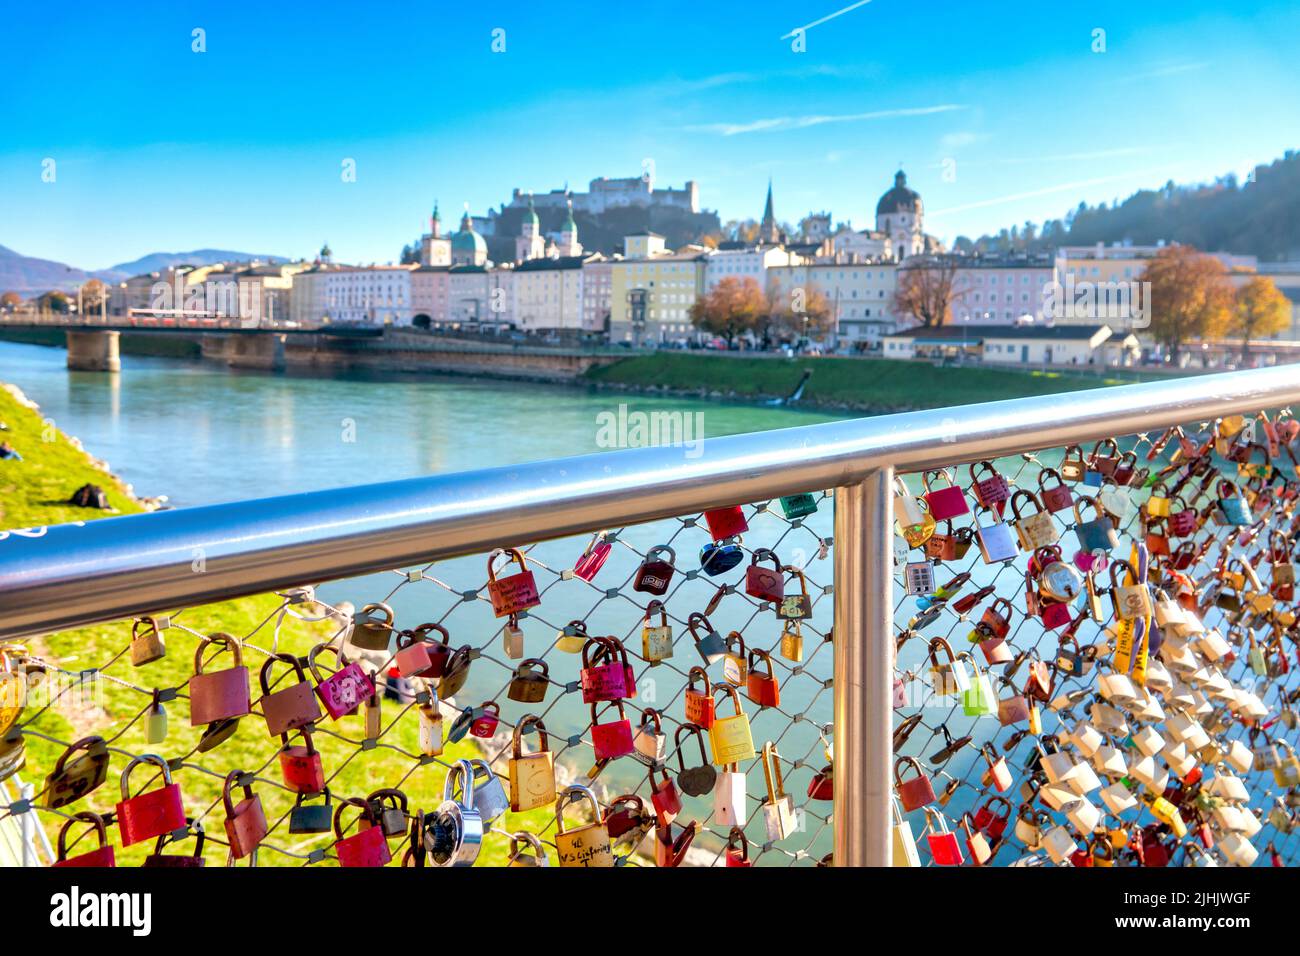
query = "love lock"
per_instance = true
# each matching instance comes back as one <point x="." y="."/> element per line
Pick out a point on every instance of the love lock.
<point x="454" y="833"/>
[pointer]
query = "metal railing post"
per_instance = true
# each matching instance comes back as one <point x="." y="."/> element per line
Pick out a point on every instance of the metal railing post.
<point x="864" y="653"/>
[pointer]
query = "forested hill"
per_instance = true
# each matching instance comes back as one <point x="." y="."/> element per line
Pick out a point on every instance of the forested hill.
<point x="1258" y="217"/>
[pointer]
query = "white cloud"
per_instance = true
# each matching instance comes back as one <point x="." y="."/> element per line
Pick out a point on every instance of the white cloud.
<point x="783" y="123"/>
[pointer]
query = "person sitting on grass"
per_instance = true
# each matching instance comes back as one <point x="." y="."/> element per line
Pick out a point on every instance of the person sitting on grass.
<point x="8" y="451"/>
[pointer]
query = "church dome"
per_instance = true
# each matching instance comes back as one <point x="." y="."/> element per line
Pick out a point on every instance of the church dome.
<point x="899" y="199"/>
<point x="467" y="240"/>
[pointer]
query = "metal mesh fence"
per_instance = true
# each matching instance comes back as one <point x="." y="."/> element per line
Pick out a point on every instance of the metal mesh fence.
<point x="92" y="687"/>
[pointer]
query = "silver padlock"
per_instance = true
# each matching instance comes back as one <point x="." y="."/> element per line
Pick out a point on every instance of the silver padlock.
<point x="454" y="833"/>
<point x="490" y="798"/>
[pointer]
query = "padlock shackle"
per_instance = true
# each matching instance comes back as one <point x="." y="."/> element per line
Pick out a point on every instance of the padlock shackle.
<point x="227" y="641"/>
<point x="158" y="761"/>
<point x="264" y="675"/>
<point x="572" y="794"/>
<point x="530" y="720"/>
<point x="515" y="555"/>
<point x="84" y="816"/>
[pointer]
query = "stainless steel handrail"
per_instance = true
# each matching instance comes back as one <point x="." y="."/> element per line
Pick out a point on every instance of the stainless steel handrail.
<point x="66" y="576"/>
<point x="72" y="575"/>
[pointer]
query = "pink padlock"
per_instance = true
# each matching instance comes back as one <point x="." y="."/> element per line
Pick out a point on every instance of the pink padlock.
<point x="594" y="558"/>
<point x="417" y="656"/>
<point x="602" y="681"/>
<point x="485" y="724"/>
<point x="613" y="739"/>
<point x="346" y="689"/>
<point x="365" y="848"/>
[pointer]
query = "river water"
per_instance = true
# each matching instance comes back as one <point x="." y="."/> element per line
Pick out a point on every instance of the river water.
<point x="200" y="434"/>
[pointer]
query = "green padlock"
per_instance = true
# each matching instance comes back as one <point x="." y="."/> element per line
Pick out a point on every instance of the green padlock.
<point x="980" y="700"/>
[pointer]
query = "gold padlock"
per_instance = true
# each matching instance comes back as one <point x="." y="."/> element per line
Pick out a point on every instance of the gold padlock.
<point x="532" y="776"/>
<point x="587" y="845"/>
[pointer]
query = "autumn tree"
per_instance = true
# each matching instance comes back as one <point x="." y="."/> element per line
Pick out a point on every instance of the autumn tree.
<point x="925" y="289"/>
<point x="803" y="313"/>
<point x="1259" y="310"/>
<point x="53" y="302"/>
<point x="93" y="295"/>
<point x="1189" y="297"/>
<point x="731" y="308"/>
<point x="10" y="301"/>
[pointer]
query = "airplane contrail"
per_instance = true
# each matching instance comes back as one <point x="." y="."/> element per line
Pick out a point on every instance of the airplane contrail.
<point x="832" y="16"/>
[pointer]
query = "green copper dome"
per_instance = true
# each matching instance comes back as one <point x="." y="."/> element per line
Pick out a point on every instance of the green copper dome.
<point x="467" y="240"/>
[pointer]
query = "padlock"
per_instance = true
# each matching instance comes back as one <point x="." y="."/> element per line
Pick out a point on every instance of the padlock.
<point x="292" y="708"/>
<point x="798" y="506"/>
<point x="766" y="584"/>
<point x="1132" y="599"/>
<point x="995" y="649"/>
<point x="572" y="637"/>
<point x="430" y="727"/>
<point x="916" y="792"/>
<point x="949" y="677"/>
<point x="730" y="800"/>
<point x="515" y="593"/>
<point x="346" y="689"/>
<point x="726" y="522"/>
<point x="991" y="490"/>
<point x="762" y="687"/>
<point x="918" y="577"/>
<point x="656" y="571"/>
<point x="698" y="780"/>
<point x="735" y="667"/>
<point x="711" y="647"/>
<point x="368" y="847"/>
<point x="604" y="674"/>
<point x="218" y="695"/>
<point x="627" y="821"/>
<point x="372" y="628"/>
<point x="795" y="607"/>
<point x="454" y="833"/>
<point x="1183" y="521"/>
<point x="193" y="861"/>
<point x="531" y="679"/>
<point x="245" y="822"/>
<point x="391" y="809"/>
<point x="1058" y="843"/>
<point x="664" y="797"/>
<point x="656" y="639"/>
<point x="1232" y="508"/>
<point x="792" y="642"/>
<point x="612" y="739"/>
<point x="1115" y="501"/>
<point x="942" y="843"/>
<point x="101" y="856"/>
<point x="311" y="817"/>
<point x="989" y="821"/>
<point x="730" y="737"/>
<point x="1034" y="529"/>
<point x="152" y="813"/>
<point x="997" y="543"/>
<point x="699" y="704"/>
<point x="155" y="720"/>
<point x="512" y="638"/>
<point x="979" y="700"/>
<point x="977" y="844"/>
<point x="1054" y="497"/>
<point x="1073" y="468"/>
<point x="418" y="656"/>
<point x="300" y="764"/>
<point x="535" y="858"/>
<point x="1097" y="533"/>
<point x="490" y="798"/>
<point x="1056" y="580"/>
<point x="373" y="711"/>
<point x="737" y="852"/>
<point x="649" y="742"/>
<point x="904" y="842"/>
<point x="593" y="557"/>
<point x="582" y="846"/>
<point x="532" y="776"/>
<point x="822" y="785"/>
<point x="147" y="643"/>
<point x="719" y="557"/>
<point x="75" y="773"/>
<point x="919" y="529"/>
<point x="997" y="617"/>
<point x="779" y="816"/>
<point x="944" y="503"/>
<point x="487" y="716"/>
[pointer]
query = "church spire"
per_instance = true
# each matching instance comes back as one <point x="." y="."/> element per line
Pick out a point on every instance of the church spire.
<point x="768" y="230"/>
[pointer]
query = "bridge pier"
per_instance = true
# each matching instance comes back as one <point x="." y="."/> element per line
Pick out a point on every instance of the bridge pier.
<point x="262" y="350"/>
<point x="93" y="351"/>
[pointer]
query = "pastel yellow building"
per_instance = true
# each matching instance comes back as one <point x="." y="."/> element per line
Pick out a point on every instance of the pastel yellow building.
<point x="652" y="291"/>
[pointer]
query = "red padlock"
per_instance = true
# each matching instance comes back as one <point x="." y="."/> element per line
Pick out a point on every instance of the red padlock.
<point x="365" y="848"/>
<point x="663" y="794"/>
<point x="655" y="572"/>
<point x="762" y="688"/>
<point x="992" y="490"/>
<point x="603" y="681"/>
<point x="700" y="705"/>
<point x="594" y="557"/>
<point x="291" y="708"/>
<point x="997" y="617"/>
<point x="766" y="584"/>
<point x="101" y="856"/>
<point x="623" y="815"/>
<point x="152" y="813"/>
<point x="1057" y="497"/>
<point x="726" y="522"/>
<point x="612" y="739"/>
<point x="822" y="785"/>
<point x="485" y="724"/>
<point x="418" y="656"/>
<point x="246" y="821"/>
<point x="947" y="502"/>
<point x="991" y="823"/>
<point x="301" y="766"/>
<point x="737" y="855"/>
<point x="944" y="848"/>
<point x="346" y="689"/>
<point x="1054" y="614"/>
<point x="670" y="851"/>
<point x="518" y="592"/>
<point x="914" y="793"/>
<point x="219" y="695"/>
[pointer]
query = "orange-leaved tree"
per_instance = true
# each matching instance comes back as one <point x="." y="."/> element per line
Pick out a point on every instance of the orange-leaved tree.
<point x="731" y="308"/>
<point x="1189" y="297"/>
<point x="1259" y="310"/>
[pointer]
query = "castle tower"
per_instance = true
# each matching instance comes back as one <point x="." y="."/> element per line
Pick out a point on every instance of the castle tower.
<point x="530" y="244"/>
<point x="435" y="249"/>
<point x="569" y="244"/>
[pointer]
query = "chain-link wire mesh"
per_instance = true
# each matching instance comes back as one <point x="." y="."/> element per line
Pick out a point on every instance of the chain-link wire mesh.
<point x="94" y="689"/>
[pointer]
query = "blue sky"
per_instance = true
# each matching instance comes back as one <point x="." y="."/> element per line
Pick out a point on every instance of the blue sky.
<point x="158" y="148"/>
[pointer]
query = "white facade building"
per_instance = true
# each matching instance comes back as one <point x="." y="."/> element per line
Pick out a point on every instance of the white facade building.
<point x="860" y="295"/>
<point x="369" y="295"/>
<point x="751" y="262"/>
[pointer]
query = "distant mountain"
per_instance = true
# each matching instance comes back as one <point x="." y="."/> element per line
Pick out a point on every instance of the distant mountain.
<point x="156" y="261"/>
<point x="29" y="276"/>
<point x="1260" y="217"/>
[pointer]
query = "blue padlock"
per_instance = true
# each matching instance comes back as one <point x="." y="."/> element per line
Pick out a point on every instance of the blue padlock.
<point x="718" y="557"/>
